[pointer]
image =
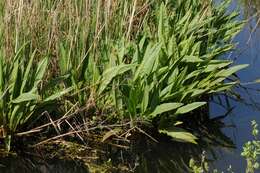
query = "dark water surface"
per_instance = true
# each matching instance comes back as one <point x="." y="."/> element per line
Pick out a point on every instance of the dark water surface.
<point x="222" y="145"/>
<point x="29" y="165"/>
<point x="247" y="52"/>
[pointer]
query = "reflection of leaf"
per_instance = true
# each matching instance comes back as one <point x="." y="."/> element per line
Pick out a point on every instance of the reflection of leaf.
<point x="178" y="123"/>
<point x="180" y="135"/>
<point x="110" y="134"/>
<point x="257" y="81"/>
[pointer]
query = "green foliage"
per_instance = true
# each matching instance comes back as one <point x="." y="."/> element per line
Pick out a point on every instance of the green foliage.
<point x="251" y="150"/>
<point x="20" y="91"/>
<point x="170" y="72"/>
<point x="155" y="61"/>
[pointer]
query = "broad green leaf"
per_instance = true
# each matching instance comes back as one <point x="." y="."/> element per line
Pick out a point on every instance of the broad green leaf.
<point x="42" y="66"/>
<point x="15" y="89"/>
<point x="172" y="47"/>
<point x="13" y="115"/>
<point x="173" y="76"/>
<point x="1" y="75"/>
<point x="227" y="72"/>
<point x="166" y="107"/>
<point x="111" y="73"/>
<point x="163" y="23"/>
<point x="166" y="90"/>
<point x="57" y="95"/>
<point x="19" y="116"/>
<point x="19" y="51"/>
<point x="145" y="100"/>
<point x="180" y="135"/>
<point x="27" y="72"/>
<point x="193" y="59"/>
<point x="189" y="107"/>
<point x="224" y="87"/>
<point x="90" y="63"/>
<point x="64" y="60"/>
<point x="215" y="65"/>
<point x="26" y="97"/>
<point x="147" y="65"/>
<point x="52" y="83"/>
<point x="8" y="140"/>
<point x="198" y="92"/>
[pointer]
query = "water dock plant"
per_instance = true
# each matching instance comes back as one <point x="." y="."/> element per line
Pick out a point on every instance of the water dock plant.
<point x="126" y="61"/>
<point x="171" y="71"/>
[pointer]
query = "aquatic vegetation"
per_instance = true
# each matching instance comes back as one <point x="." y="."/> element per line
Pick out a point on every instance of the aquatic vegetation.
<point x="171" y="71"/>
<point x="20" y="91"/>
<point x="132" y="61"/>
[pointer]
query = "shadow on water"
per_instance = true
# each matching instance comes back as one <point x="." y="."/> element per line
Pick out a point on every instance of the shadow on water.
<point x="168" y="156"/>
<point x="143" y="156"/>
<point x="13" y="164"/>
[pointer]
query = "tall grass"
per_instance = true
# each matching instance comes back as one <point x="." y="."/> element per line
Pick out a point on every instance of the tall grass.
<point x="137" y="59"/>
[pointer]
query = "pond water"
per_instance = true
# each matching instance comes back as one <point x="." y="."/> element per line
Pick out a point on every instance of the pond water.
<point x="238" y="122"/>
<point x="223" y="145"/>
<point x="247" y="52"/>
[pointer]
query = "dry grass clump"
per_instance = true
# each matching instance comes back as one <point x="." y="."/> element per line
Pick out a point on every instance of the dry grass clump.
<point x="79" y="24"/>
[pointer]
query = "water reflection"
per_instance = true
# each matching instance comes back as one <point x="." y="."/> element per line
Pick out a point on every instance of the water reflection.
<point x="168" y="156"/>
<point x="247" y="108"/>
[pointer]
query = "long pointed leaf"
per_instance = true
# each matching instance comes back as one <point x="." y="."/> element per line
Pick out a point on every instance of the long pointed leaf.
<point x="25" y="97"/>
<point x="42" y="66"/>
<point x="27" y="71"/>
<point x="166" y="107"/>
<point x="112" y="73"/>
<point x="190" y="107"/>
<point x="58" y="95"/>
<point x="180" y="135"/>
